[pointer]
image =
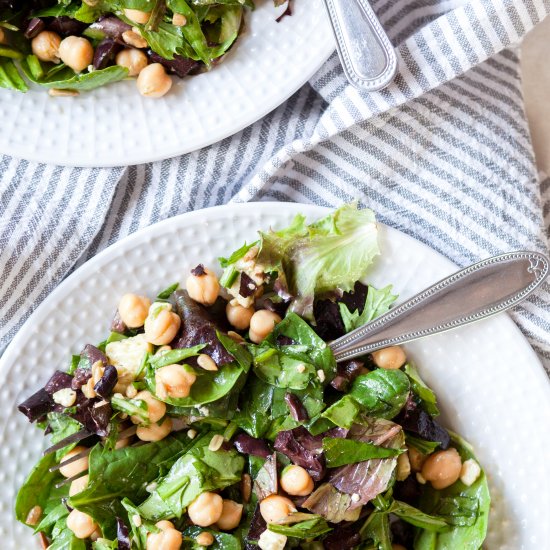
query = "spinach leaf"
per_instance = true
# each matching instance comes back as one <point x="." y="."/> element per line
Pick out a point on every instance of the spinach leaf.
<point x="382" y="392"/>
<point x="376" y="303"/>
<point x="208" y="387"/>
<point x="167" y="292"/>
<point x="104" y="544"/>
<point x="139" y="532"/>
<point x="63" y="77"/>
<point x="377" y="530"/>
<point x="253" y="416"/>
<point x="343" y="412"/>
<point x="132" y="407"/>
<point x="9" y="74"/>
<point x="421" y="445"/>
<point x="416" y="517"/>
<point x="240" y="252"/>
<point x="239" y="352"/>
<point x="313" y="348"/>
<point x="222" y="541"/>
<point x="197" y="471"/>
<point x="174" y="356"/>
<point x="421" y="390"/>
<point x="62" y="426"/>
<point x="65" y="540"/>
<point x="37" y="489"/>
<point x="280" y="370"/>
<point x="49" y="520"/>
<point x="308" y="529"/>
<point x="125" y="473"/>
<point x="339" y="452"/>
<point x="465" y="508"/>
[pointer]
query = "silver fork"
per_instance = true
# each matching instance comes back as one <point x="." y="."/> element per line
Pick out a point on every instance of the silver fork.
<point x="471" y="294"/>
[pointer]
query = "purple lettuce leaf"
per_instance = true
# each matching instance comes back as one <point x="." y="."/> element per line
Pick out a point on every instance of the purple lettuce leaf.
<point x="266" y="482"/>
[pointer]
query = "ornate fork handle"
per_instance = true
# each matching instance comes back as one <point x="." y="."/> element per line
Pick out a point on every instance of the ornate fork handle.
<point x="478" y="291"/>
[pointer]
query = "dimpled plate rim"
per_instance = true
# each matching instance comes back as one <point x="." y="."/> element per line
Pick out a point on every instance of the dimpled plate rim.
<point x="473" y="369"/>
<point x="115" y="126"/>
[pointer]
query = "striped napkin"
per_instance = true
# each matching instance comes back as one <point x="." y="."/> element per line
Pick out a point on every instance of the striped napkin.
<point x="443" y="154"/>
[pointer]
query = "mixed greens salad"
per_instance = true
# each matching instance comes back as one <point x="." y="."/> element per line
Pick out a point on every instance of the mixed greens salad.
<point x="71" y="46"/>
<point x="215" y="416"/>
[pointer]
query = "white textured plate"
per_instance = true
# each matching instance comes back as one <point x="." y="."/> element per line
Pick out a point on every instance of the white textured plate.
<point x="114" y="125"/>
<point x="490" y="383"/>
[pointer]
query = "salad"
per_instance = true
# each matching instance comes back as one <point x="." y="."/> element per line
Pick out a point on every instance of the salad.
<point x="71" y="46"/>
<point x="215" y="416"/>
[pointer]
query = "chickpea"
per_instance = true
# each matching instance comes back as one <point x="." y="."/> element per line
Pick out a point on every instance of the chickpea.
<point x="239" y="316"/>
<point x="389" y="358"/>
<point x="153" y="81"/>
<point x="137" y="16"/>
<point x="203" y="288"/>
<point x="134" y="60"/>
<point x="204" y="539"/>
<point x="179" y="20"/>
<point x="442" y="468"/>
<point x="161" y="327"/>
<point x="81" y="524"/>
<point x="78" y="485"/>
<point x="262" y="324"/>
<point x="45" y="45"/>
<point x="154" y="432"/>
<point x="133" y="309"/>
<point x="296" y="481"/>
<point x="169" y="537"/>
<point x="416" y="459"/>
<point x="155" y="409"/>
<point x="76" y="467"/>
<point x="232" y="513"/>
<point x="206" y="509"/>
<point x="173" y="381"/>
<point x="275" y="507"/>
<point x="76" y="52"/>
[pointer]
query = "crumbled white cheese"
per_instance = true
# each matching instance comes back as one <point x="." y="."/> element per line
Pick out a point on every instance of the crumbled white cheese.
<point x="355" y="497"/>
<point x="65" y="397"/>
<point x="321" y="375"/>
<point x="271" y="541"/>
<point x="126" y="356"/>
<point x="470" y="472"/>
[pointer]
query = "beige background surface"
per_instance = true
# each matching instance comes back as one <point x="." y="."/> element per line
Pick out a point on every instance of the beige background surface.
<point x="535" y="56"/>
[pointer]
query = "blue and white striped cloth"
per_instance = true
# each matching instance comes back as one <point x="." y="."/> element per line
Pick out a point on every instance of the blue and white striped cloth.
<point x="443" y="154"/>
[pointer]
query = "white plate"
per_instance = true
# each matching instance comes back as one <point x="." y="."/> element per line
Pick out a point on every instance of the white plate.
<point x="114" y="125"/>
<point x="491" y="386"/>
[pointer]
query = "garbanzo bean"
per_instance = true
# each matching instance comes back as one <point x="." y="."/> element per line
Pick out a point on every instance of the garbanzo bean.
<point x="153" y="81"/>
<point x="134" y="60"/>
<point x="81" y="524"/>
<point x="262" y="324"/>
<point x="76" y="467"/>
<point x="389" y="358"/>
<point x="133" y="309"/>
<point x="76" y="52"/>
<point x="45" y="45"/>
<point x="206" y="509"/>
<point x="154" y="432"/>
<point x="296" y="481"/>
<point x="442" y="468"/>
<point x="239" y="316"/>
<point x="162" y="324"/>
<point x="169" y="537"/>
<point x="173" y="381"/>
<point x="155" y="409"/>
<point x="275" y="507"/>
<point x="203" y="288"/>
<point x="231" y="515"/>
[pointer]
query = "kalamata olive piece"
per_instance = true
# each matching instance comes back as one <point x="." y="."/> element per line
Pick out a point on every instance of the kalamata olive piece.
<point x="35" y="26"/>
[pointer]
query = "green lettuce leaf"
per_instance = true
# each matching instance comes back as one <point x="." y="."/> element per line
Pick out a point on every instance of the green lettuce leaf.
<point x="377" y="303"/>
<point x="333" y="252"/>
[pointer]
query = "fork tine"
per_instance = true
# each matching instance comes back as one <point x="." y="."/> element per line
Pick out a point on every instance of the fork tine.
<point x="74" y="438"/>
<point x="71" y="479"/>
<point x="74" y="458"/>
